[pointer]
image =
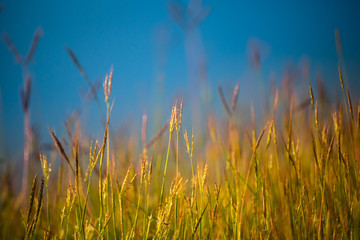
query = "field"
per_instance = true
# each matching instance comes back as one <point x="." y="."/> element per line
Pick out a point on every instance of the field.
<point x="293" y="174"/>
<point x="293" y="178"/>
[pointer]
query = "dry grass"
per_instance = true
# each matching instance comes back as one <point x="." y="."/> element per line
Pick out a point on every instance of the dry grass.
<point x="293" y="177"/>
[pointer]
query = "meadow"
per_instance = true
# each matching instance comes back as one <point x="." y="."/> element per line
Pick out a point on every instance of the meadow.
<point x="293" y="174"/>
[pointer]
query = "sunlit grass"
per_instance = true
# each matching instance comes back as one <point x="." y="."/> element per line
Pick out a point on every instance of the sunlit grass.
<point x="294" y="177"/>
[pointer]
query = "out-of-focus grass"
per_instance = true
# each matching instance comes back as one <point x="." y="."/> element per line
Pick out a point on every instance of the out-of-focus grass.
<point x="294" y="177"/>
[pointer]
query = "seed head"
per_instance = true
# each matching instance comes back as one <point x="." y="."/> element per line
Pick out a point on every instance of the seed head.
<point x="108" y="85"/>
<point x="187" y="142"/>
<point x="179" y="116"/>
<point x="105" y="88"/>
<point x="205" y="172"/>
<point x="173" y="118"/>
<point x="110" y="81"/>
<point x="341" y="78"/>
<point x="336" y="124"/>
<point x="143" y="167"/>
<point x="44" y="165"/>
<point x="311" y="95"/>
<point x="235" y="97"/>
<point x="269" y="135"/>
<point x="192" y="142"/>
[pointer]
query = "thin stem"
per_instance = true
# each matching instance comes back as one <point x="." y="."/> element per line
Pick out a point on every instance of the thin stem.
<point x="166" y="163"/>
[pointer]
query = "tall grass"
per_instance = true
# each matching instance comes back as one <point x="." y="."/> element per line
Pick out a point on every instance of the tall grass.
<point x="293" y="177"/>
<point x="25" y="94"/>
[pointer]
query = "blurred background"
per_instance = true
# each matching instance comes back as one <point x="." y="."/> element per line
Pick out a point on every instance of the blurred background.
<point x="161" y="50"/>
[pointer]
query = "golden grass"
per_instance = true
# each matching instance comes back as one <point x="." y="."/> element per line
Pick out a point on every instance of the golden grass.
<point x="292" y="176"/>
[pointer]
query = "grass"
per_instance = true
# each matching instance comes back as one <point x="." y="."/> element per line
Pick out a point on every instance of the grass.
<point x="294" y="175"/>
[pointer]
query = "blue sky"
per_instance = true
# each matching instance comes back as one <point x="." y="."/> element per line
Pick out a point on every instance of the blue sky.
<point x="125" y="35"/>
